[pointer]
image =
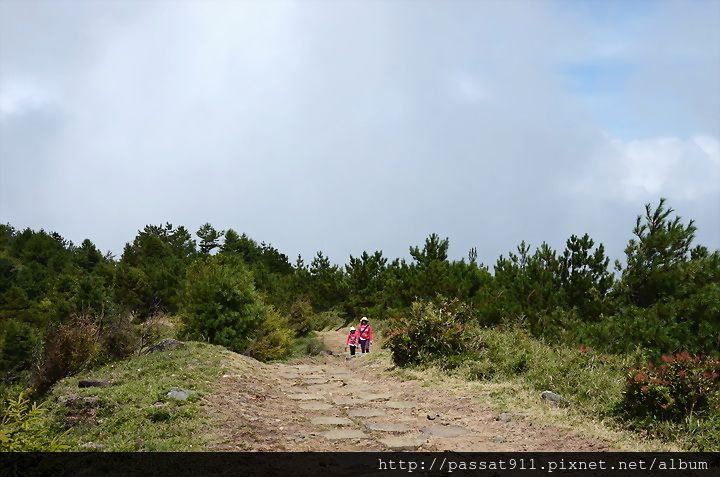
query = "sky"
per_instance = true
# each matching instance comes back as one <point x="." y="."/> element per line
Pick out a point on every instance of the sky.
<point x="348" y="126"/>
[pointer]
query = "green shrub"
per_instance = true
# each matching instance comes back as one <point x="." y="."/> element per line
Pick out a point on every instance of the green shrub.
<point x="300" y="314"/>
<point x="274" y="340"/>
<point x="25" y="428"/>
<point x="683" y="386"/>
<point x="220" y="303"/>
<point x="430" y="331"/>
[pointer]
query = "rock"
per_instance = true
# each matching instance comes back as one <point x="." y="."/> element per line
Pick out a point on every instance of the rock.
<point x="386" y="427"/>
<point x="93" y="445"/>
<point x="506" y="416"/>
<point x="166" y="345"/>
<point x="315" y="406"/>
<point x="432" y="417"/>
<point x="499" y="440"/>
<point x="402" y="443"/>
<point x="365" y="412"/>
<point x="402" y="404"/>
<point x="344" y="434"/>
<point x="326" y="352"/>
<point x="446" y="431"/>
<point x="552" y="398"/>
<point x="377" y="397"/>
<point x="306" y="397"/>
<point x="180" y="394"/>
<point x="93" y="383"/>
<point x="76" y="402"/>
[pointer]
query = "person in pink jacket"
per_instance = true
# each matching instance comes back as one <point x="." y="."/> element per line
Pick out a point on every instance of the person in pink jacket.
<point x="351" y="341"/>
<point x="364" y="334"/>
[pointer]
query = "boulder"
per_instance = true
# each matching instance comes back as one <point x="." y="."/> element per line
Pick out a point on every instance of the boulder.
<point x="93" y="383"/>
<point x="181" y="394"/>
<point x="166" y="345"/>
<point x="552" y="398"/>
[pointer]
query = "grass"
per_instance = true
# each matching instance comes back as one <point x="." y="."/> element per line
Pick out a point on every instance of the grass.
<point x="135" y="413"/>
<point x="515" y="368"/>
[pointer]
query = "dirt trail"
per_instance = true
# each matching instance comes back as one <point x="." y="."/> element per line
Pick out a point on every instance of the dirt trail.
<point x="331" y="403"/>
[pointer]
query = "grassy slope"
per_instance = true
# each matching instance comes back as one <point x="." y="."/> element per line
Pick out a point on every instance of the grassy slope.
<point x="135" y="413"/>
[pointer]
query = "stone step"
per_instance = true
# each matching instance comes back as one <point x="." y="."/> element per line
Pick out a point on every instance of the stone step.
<point x="365" y="412"/>
<point x="402" y="443"/>
<point x="387" y="427"/>
<point x="316" y="406"/>
<point x="331" y="421"/>
<point x="402" y="404"/>
<point x="306" y="397"/>
<point x="344" y="434"/>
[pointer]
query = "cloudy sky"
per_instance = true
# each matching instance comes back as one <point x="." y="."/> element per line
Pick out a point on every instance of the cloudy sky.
<point x="344" y="126"/>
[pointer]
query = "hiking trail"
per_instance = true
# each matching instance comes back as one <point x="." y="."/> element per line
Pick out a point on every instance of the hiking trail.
<point x="330" y="403"/>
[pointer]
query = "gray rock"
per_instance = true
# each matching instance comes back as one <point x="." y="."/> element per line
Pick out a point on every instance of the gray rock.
<point x="365" y="412"/>
<point x="499" y="440"/>
<point x="181" y="394"/>
<point x="93" y="383"/>
<point x="166" y="345"/>
<point x="326" y="352"/>
<point x="306" y="397"/>
<point x="402" y="404"/>
<point x="315" y="406"/>
<point x="93" y="445"/>
<point x="507" y="416"/>
<point x="344" y="434"/>
<point x="387" y="427"/>
<point x="402" y="443"/>
<point x="552" y="398"/>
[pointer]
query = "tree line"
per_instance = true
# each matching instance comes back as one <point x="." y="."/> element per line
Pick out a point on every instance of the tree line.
<point x="231" y="290"/>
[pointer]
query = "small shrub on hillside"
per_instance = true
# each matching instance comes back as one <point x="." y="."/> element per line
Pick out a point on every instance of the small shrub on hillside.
<point x="314" y="347"/>
<point x="683" y="386"/>
<point x="120" y="338"/>
<point x="300" y="316"/>
<point x="67" y="349"/>
<point x="274" y="340"/>
<point x="430" y="331"/>
<point x="24" y="428"/>
<point x="326" y="320"/>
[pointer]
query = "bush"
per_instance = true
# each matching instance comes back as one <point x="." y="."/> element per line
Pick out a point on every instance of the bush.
<point x="684" y="386"/>
<point x="120" y="338"/>
<point x="314" y="347"/>
<point x="67" y="349"/>
<point x="430" y="331"/>
<point x="300" y="313"/>
<point x="220" y="303"/>
<point x="25" y="428"/>
<point x="274" y="340"/>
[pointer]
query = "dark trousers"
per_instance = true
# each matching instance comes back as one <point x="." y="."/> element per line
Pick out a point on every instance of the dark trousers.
<point x="352" y="350"/>
<point x="365" y="345"/>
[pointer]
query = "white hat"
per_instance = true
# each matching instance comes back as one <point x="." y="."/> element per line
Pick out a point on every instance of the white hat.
<point x="364" y="318"/>
<point x="352" y="328"/>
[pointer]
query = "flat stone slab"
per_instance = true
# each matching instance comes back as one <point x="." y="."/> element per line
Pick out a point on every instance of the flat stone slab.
<point x="347" y="400"/>
<point x="289" y="375"/>
<point x="387" y="427"/>
<point x="402" y="404"/>
<point x="365" y="412"/>
<point x="332" y="421"/>
<point x="446" y="431"/>
<point x="315" y="406"/>
<point x="402" y="443"/>
<point x="315" y="381"/>
<point x="376" y="397"/>
<point x="308" y="369"/>
<point x="306" y="397"/>
<point x="344" y="434"/>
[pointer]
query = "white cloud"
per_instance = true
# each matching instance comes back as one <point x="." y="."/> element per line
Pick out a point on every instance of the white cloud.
<point x="663" y="166"/>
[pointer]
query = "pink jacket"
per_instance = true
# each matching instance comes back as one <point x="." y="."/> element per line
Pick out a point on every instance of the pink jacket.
<point x="364" y="332"/>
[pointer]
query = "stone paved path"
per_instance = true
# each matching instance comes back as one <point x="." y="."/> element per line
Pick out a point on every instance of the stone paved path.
<point x="357" y="405"/>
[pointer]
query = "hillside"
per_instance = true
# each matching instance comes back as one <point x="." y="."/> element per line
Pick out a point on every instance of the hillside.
<point x="325" y="403"/>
